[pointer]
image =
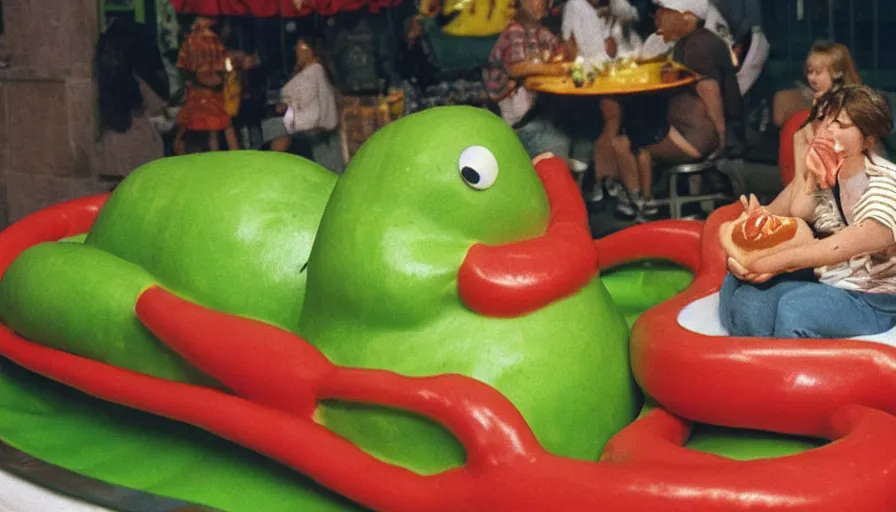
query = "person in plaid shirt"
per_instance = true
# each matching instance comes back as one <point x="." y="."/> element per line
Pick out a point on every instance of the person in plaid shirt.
<point x="523" y="49"/>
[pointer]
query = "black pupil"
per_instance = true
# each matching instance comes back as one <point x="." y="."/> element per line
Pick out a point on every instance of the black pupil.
<point x="470" y="175"/>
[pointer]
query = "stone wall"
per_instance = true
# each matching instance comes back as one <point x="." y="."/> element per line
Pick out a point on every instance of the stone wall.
<point x="47" y="112"/>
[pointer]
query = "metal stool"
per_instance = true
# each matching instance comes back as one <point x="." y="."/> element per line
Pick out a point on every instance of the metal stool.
<point x="676" y="201"/>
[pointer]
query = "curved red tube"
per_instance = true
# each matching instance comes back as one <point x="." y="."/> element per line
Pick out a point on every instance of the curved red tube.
<point x="673" y="240"/>
<point x="507" y="469"/>
<point x="644" y="467"/>
<point x="518" y="278"/>
<point x="787" y="386"/>
<point x="60" y="221"/>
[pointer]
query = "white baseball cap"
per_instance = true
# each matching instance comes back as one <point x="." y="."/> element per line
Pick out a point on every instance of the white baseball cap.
<point x="699" y="8"/>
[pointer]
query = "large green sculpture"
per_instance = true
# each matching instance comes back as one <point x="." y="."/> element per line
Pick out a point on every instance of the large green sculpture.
<point x="234" y="231"/>
<point x="383" y="292"/>
<point x="384" y="250"/>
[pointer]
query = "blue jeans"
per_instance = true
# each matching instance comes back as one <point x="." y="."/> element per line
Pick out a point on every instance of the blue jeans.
<point x="790" y="307"/>
<point x="541" y="134"/>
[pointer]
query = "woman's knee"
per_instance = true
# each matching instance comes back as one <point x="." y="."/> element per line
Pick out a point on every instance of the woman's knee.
<point x="644" y="158"/>
<point x="726" y="301"/>
<point x="792" y="321"/>
<point x="750" y="312"/>
<point x="622" y="145"/>
<point x="801" y="313"/>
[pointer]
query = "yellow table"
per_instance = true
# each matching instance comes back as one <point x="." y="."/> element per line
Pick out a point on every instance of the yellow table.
<point x="645" y="78"/>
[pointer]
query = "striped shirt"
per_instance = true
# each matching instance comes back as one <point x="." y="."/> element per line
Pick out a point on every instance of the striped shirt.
<point x="870" y="273"/>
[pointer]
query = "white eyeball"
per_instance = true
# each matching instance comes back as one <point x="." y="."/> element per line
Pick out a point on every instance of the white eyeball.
<point x="478" y="167"/>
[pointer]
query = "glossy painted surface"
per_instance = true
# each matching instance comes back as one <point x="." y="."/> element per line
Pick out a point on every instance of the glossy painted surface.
<point x="789" y="386"/>
<point x="116" y="444"/>
<point x="643" y="468"/>
<point x="646" y="79"/>
<point x="231" y="230"/>
<point x="421" y="273"/>
<point x="833" y="389"/>
<point x="196" y="225"/>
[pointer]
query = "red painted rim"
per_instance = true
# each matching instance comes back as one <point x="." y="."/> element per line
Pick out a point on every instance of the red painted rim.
<point x="837" y="389"/>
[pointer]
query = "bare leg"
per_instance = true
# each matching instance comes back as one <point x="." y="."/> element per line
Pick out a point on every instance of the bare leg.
<point x="673" y="149"/>
<point x="281" y="143"/>
<point x="645" y="174"/>
<point x="628" y="166"/>
<point x="233" y="142"/>
<point x="179" y="147"/>
<point x="213" y="143"/>
<point x="605" y="165"/>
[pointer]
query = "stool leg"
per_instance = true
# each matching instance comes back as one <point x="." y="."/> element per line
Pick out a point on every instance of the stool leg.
<point x="674" y="201"/>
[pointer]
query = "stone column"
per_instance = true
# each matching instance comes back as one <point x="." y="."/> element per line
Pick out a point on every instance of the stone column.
<point x="47" y="107"/>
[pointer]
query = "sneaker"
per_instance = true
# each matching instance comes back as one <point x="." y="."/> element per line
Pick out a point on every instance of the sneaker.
<point x="614" y="188"/>
<point x="625" y="205"/>
<point x="648" y="207"/>
<point x="577" y="166"/>
<point x="596" y="196"/>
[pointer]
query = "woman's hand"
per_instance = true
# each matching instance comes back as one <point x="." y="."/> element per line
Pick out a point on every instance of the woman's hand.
<point x="743" y="273"/>
<point x="557" y="68"/>
<point x="569" y="49"/>
<point x="750" y="204"/>
<point x="611" y="47"/>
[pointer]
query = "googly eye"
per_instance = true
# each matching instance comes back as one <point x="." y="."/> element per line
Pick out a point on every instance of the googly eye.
<point x="478" y="167"/>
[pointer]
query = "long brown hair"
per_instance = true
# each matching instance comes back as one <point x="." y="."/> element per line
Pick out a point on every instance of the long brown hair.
<point x="868" y="109"/>
<point x="840" y="64"/>
<point x="843" y="73"/>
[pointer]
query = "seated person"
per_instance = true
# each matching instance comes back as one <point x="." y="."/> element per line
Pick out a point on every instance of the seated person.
<point x="825" y="77"/>
<point x="588" y="26"/>
<point x="624" y="11"/>
<point x="700" y="115"/>
<point x="587" y="30"/>
<point x="826" y="64"/>
<point x="640" y="128"/>
<point x="308" y="105"/>
<point x="751" y="47"/>
<point x="655" y="45"/>
<point x="525" y="48"/>
<point x="697" y="120"/>
<point x="846" y="194"/>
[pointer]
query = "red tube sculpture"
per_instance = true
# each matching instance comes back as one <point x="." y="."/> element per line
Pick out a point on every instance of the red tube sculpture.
<point x="836" y="389"/>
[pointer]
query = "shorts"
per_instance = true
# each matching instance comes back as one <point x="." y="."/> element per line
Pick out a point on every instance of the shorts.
<point x="579" y="116"/>
<point x="644" y="120"/>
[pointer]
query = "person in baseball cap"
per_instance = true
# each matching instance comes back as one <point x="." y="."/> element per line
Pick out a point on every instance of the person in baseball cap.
<point x="699" y="8"/>
<point x="677" y="18"/>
